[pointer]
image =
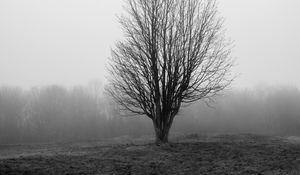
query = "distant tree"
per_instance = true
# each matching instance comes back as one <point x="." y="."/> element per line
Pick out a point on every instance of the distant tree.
<point x="174" y="53"/>
<point x="11" y="108"/>
<point x="49" y="110"/>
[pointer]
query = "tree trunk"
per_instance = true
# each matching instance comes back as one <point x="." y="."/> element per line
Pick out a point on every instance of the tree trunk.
<point x="161" y="133"/>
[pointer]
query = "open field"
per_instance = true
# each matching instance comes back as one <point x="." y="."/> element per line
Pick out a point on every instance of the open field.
<point x="191" y="154"/>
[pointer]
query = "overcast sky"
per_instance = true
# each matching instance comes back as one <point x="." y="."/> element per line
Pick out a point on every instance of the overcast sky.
<point x="68" y="42"/>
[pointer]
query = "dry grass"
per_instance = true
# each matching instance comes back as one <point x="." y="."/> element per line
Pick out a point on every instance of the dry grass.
<point x="226" y="154"/>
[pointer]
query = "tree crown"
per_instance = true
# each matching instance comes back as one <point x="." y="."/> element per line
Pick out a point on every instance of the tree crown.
<point x="174" y="52"/>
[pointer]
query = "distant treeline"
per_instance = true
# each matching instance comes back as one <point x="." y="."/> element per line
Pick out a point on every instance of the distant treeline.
<point x="54" y="113"/>
<point x="274" y="111"/>
<point x="57" y="114"/>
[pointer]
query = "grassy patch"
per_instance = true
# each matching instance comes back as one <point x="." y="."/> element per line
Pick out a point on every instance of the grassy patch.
<point x="226" y="154"/>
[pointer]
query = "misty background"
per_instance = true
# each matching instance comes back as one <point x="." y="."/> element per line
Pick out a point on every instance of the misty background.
<point x="52" y="72"/>
<point x="82" y="113"/>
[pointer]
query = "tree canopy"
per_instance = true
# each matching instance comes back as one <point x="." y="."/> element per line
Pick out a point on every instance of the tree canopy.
<point x="174" y="52"/>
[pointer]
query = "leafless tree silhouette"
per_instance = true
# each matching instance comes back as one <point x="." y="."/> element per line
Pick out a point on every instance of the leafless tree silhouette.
<point x="174" y="53"/>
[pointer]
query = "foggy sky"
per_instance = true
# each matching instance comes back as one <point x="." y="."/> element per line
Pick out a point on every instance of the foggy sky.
<point x="67" y="42"/>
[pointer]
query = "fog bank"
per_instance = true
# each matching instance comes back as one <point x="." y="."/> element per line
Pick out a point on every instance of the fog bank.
<point x="55" y="113"/>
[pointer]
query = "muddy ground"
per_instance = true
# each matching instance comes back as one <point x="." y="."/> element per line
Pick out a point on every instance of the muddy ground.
<point x="192" y="154"/>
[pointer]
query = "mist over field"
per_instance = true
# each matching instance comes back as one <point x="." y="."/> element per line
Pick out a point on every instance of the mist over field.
<point x="83" y="113"/>
<point x="150" y="87"/>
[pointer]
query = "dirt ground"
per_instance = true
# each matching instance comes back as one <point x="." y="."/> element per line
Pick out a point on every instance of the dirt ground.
<point x="192" y="154"/>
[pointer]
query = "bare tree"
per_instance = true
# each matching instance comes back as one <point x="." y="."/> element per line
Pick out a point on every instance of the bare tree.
<point x="174" y="53"/>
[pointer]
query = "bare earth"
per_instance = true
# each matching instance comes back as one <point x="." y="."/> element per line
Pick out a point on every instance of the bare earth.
<point x="192" y="154"/>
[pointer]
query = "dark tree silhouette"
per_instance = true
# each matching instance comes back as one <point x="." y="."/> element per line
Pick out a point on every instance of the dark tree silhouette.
<point x="174" y="53"/>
